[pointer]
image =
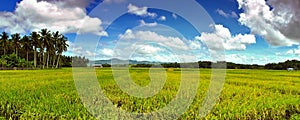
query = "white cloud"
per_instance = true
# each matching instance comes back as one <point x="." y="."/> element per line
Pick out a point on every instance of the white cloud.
<point x="295" y="51"/>
<point x="236" y="58"/>
<point x="71" y="3"/>
<point x="140" y="52"/>
<point x="234" y="15"/>
<point x="74" y="50"/>
<point x="107" y="52"/>
<point x="290" y="52"/>
<point x="113" y="1"/>
<point x="143" y="23"/>
<point x="280" y="26"/>
<point x="144" y="36"/>
<point x="168" y="57"/>
<point x="147" y="49"/>
<point x="31" y="15"/>
<point x="162" y="18"/>
<point x="156" y="57"/>
<point x="194" y="44"/>
<point x="151" y="46"/>
<point x="89" y="54"/>
<point x="260" y="59"/>
<point x="140" y="11"/>
<point x="174" y="16"/>
<point x="278" y="53"/>
<point x="222" y="39"/>
<point x="248" y="59"/>
<point x="224" y="14"/>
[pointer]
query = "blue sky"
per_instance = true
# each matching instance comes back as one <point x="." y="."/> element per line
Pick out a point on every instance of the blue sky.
<point x="240" y="31"/>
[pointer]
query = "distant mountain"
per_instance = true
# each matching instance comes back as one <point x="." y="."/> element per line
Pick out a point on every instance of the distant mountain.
<point x="119" y="61"/>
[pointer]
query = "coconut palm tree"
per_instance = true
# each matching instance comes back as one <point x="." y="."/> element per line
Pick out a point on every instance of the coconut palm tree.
<point x="4" y="41"/>
<point x="34" y="36"/>
<point x="45" y="38"/>
<point x="46" y="46"/>
<point x="26" y="44"/>
<point x="62" y="46"/>
<point x="50" y="48"/>
<point x="16" y="42"/>
<point x="54" y="52"/>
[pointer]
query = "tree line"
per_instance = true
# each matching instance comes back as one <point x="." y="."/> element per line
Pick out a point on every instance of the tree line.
<point x="295" y="64"/>
<point x="42" y="49"/>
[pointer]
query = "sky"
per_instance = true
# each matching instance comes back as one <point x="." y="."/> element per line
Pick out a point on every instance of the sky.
<point x="239" y="31"/>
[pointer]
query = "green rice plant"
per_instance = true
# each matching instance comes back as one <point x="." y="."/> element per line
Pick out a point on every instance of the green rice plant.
<point x="247" y="94"/>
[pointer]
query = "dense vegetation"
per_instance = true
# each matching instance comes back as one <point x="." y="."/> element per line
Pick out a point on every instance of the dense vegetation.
<point x="207" y="64"/>
<point x="41" y="49"/>
<point x="247" y="94"/>
<point x="284" y="65"/>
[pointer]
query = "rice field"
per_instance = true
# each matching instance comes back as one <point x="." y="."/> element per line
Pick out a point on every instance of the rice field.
<point x="247" y="94"/>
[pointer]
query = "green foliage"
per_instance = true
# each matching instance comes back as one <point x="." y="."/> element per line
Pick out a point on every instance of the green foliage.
<point x="10" y="61"/>
<point x="43" y="48"/>
<point x="106" y="65"/>
<point x="247" y="94"/>
<point x="79" y="61"/>
<point x="284" y="65"/>
<point x="229" y="65"/>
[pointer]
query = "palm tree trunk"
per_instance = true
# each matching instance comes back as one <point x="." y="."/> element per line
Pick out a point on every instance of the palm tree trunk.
<point x="27" y="57"/>
<point x="57" y="60"/>
<point x="48" y="60"/>
<point x="53" y="61"/>
<point x="43" y="60"/>
<point x="40" y="57"/>
<point x="34" y="57"/>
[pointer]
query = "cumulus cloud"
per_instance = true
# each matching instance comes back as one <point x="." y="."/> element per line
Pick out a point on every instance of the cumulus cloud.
<point x="194" y="44"/>
<point x="74" y="50"/>
<point x="32" y="15"/>
<point x="162" y="18"/>
<point x="151" y="46"/>
<point x="279" y="25"/>
<point x="147" y="49"/>
<point x="290" y="52"/>
<point x="295" y="51"/>
<point x="140" y="11"/>
<point x="224" y="14"/>
<point x="221" y="39"/>
<point x="144" y="36"/>
<point x="155" y="53"/>
<point x="249" y="59"/>
<point x="143" y="23"/>
<point x="107" y="52"/>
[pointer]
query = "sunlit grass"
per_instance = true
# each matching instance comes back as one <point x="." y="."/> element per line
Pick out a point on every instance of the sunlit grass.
<point x="247" y="94"/>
